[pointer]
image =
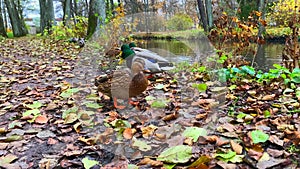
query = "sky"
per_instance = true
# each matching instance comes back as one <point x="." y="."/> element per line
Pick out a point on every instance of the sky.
<point x="32" y="9"/>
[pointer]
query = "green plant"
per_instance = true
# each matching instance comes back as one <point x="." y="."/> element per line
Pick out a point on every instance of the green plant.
<point x="10" y="34"/>
<point x="180" y="22"/>
<point x="282" y="11"/>
<point x="61" y="31"/>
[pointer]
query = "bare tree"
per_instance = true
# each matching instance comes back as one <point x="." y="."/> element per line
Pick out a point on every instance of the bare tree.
<point x="18" y="25"/>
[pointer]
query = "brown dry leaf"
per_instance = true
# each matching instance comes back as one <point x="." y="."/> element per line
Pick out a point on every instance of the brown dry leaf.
<point x="148" y="131"/>
<point x="153" y="163"/>
<point x="221" y="142"/>
<point x="255" y="154"/>
<point x="170" y="117"/>
<point x="88" y="141"/>
<point x="274" y="139"/>
<point x="201" y="116"/>
<point x="52" y="141"/>
<point x="128" y="133"/>
<point x="211" y="139"/>
<point x="229" y="127"/>
<point x="236" y="147"/>
<point x="2" y="130"/>
<point x="3" y="146"/>
<point x="226" y="165"/>
<point x="230" y="96"/>
<point x="268" y="97"/>
<point x="250" y="99"/>
<point x="117" y="164"/>
<point x="188" y="141"/>
<point x="274" y="152"/>
<point x="202" y="101"/>
<point x="73" y="153"/>
<point x="41" y="119"/>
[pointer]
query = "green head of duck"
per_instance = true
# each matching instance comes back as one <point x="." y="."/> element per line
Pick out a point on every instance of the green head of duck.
<point x="126" y="51"/>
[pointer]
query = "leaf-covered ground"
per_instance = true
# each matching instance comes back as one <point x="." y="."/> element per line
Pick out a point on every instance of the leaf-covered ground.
<point x="53" y="117"/>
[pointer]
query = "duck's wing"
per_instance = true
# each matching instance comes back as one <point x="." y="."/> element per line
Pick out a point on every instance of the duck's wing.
<point x="120" y="83"/>
<point x="152" y="56"/>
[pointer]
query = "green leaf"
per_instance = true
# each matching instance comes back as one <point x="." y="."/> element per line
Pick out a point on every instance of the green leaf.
<point x="201" y="87"/>
<point x="93" y="105"/>
<point x="159" y="86"/>
<point x="295" y="75"/>
<point x="31" y="112"/>
<point x="194" y="132"/>
<point x="177" y="154"/>
<point x="267" y="113"/>
<point x="159" y="104"/>
<point x="232" y="87"/>
<point x="241" y="115"/>
<point x="132" y="166"/>
<point x="142" y="145"/>
<point x="121" y="124"/>
<point x="35" y="105"/>
<point x="68" y="111"/>
<point x="259" y="137"/>
<point x="169" y="166"/>
<point x="69" y="92"/>
<point x="248" y="69"/>
<point x="70" y="118"/>
<point x="149" y="98"/>
<point x="87" y="163"/>
<point x="230" y="156"/>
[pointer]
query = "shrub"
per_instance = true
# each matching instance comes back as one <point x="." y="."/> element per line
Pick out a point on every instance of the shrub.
<point x="61" y="31"/>
<point x="180" y="22"/>
<point x="282" y="12"/>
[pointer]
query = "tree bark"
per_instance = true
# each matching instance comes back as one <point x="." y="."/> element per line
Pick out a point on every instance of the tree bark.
<point x="67" y="12"/>
<point x="18" y="26"/>
<point x="47" y="15"/>
<point x="209" y="13"/>
<point x="97" y="16"/>
<point x="262" y="9"/>
<point x="202" y="15"/>
<point x="2" y="27"/>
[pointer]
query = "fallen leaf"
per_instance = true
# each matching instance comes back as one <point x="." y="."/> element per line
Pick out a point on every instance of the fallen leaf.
<point x="236" y="147"/>
<point x="41" y="119"/>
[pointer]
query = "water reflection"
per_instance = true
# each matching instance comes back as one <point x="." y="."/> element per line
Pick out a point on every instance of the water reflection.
<point x="200" y="50"/>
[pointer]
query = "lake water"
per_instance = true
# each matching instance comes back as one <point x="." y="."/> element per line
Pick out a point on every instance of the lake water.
<point x="200" y="50"/>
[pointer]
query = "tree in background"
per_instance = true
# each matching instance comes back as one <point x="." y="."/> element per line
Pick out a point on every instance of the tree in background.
<point x="47" y="15"/>
<point x="18" y="25"/>
<point x="2" y="26"/>
<point x="180" y="22"/>
<point x="97" y="16"/>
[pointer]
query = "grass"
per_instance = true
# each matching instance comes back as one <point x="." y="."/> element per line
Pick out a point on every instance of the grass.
<point x="186" y="34"/>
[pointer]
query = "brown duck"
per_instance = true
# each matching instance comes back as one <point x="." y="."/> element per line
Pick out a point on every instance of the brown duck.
<point x="123" y="83"/>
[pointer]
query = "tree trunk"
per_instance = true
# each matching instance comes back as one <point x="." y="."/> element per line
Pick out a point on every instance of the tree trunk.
<point x="112" y="6"/>
<point x="97" y="16"/>
<point x="18" y="25"/>
<point x="2" y="27"/>
<point x="47" y="15"/>
<point x="67" y="12"/>
<point x="209" y="13"/>
<point x="262" y="9"/>
<point x="202" y="15"/>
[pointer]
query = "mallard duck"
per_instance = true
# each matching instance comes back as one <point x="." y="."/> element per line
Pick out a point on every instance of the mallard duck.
<point x="123" y="83"/>
<point x="154" y="62"/>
